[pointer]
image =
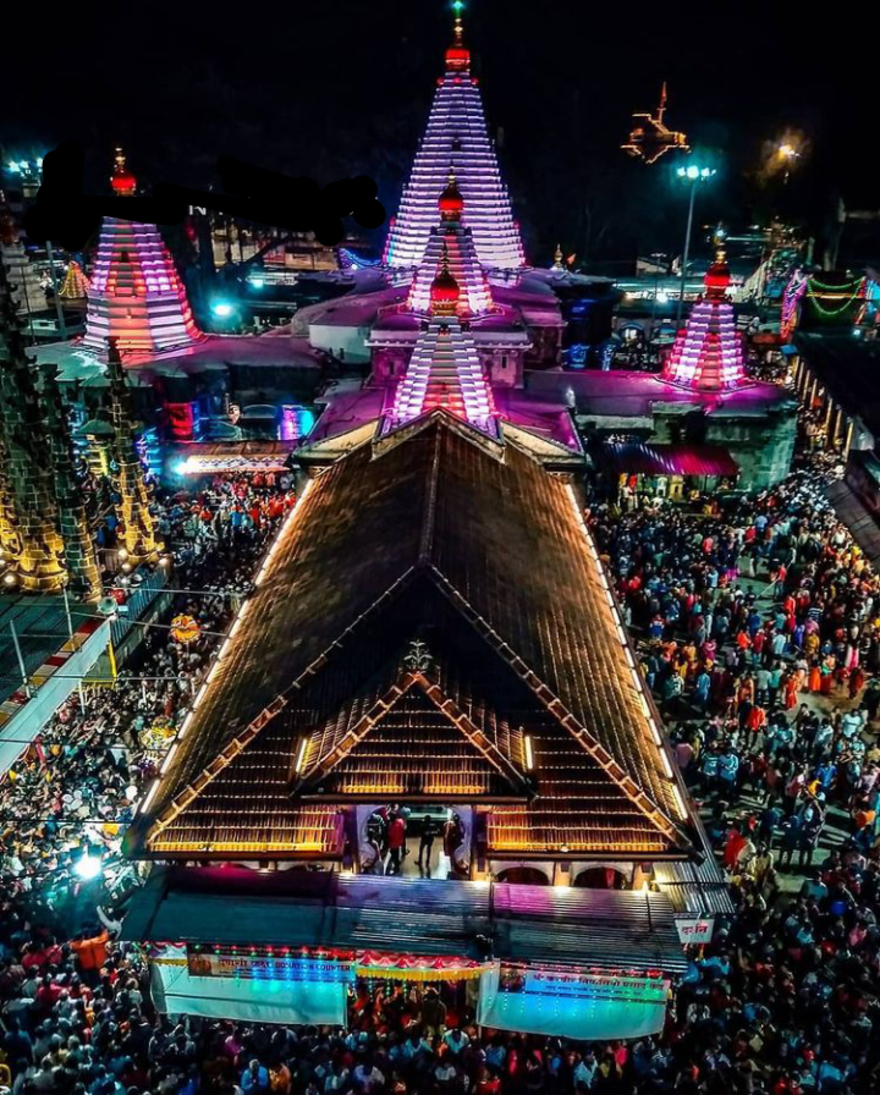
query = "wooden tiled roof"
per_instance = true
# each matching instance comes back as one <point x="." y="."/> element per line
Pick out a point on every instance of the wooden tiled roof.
<point x="412" y="742"/>
<point x="381" y="540"/>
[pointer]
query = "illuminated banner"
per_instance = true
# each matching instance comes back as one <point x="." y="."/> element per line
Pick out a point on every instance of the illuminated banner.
<point x="595" y="986"/>
<point x="204" y="962"/>
<point x="571" y="1005"/>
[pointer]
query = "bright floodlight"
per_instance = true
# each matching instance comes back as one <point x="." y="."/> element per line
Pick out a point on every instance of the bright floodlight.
<point x="87" y="867"/>
<point x="222" y="309"/>
<point x="693" y="172"/>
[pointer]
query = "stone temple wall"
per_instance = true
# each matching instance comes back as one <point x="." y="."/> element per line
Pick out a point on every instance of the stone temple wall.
<point x="761" y="446"/>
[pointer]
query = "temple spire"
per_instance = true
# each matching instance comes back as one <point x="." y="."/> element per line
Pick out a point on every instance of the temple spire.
<point x="707" y="355"/>
<point x="451" y="244"/>
<point x="27" y="505"/>
<point x="123" y="182"/>
<point x="456" y="131"/>
<point x="135" y="293"/>
<point x="138" y="526"/>
<point x="80" y="552"/>
<point x="445" y="369"/>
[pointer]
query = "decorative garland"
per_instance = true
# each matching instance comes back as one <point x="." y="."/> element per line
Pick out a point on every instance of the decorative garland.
<point x="854" y="289"/>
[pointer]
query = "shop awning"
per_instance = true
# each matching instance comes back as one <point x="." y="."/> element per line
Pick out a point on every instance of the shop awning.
<point x="617" y="930"/>
<point x="640" y="459"/>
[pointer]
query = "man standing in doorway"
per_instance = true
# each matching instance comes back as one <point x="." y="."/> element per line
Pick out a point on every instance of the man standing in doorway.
<point x="397" y="841"/>
<point x="426" y="843"/>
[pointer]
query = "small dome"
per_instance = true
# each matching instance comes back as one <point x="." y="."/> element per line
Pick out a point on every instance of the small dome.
<point x="124" y="183"/>
<point x="122" y="180"/>
<point x="717" y="277"/>
<point x="458" y="59"/>
<point x="444" y="287"/>
<point x="451" y="202"/>
<point x="445" y="293"/>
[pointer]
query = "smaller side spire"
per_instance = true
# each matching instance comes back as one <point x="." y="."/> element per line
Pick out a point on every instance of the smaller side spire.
<point x="138" y="526"/>
<point x="717" y="277"/>
<point x="81" y="556"/>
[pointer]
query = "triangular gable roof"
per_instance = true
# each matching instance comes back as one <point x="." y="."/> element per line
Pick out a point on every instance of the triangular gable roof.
<point x="504" y="540"/>
<point x="414" y="741"/>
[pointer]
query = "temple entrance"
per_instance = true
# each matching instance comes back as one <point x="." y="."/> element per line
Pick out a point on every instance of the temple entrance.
<point x="601" y="878"/>
<point x="417" y="840"/>
<point x="403" y="999"/>
<point x="529" y="876"/>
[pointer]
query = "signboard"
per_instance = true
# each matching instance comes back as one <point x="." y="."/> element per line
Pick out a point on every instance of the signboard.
<point x="205" y="962"/>
<point x="571" y="1005"/>
<point x="595" y="986"/>
<point x="696" y="929"/>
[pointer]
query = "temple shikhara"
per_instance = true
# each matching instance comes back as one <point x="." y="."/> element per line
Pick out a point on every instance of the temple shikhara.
<point x="456" y="136"/>
<point x="135" y="294"/>
<point x="708" y="353"/>
<point x="433" y="633"/>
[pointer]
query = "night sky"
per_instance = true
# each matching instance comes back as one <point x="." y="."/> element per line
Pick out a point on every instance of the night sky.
<point x="343" y="88"/>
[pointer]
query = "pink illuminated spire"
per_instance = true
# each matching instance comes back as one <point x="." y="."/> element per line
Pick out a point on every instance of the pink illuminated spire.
<point x="456" y="133"/>
<point x="708" y="353"/>
<point x="135" y="293"/>
<point x="451" y="237"/>
<point x="445" y="370"/>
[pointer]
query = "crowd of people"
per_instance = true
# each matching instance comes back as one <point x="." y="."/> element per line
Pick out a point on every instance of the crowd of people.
<point x="758" y="626"/>
<point x="66" y="801"/>
<point x="744" y="613"/>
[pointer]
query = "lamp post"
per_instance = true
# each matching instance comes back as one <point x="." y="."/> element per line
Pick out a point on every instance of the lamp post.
<point x="693" y="175"/>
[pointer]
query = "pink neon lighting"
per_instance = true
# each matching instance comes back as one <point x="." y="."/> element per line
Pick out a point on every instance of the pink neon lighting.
<point x="445" y="371"/>
<point x="708" y="353"/>
<point x="476" y="298"/>
<point x="136" y="294"/>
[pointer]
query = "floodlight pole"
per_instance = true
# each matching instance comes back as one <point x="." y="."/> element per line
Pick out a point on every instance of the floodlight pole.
<point x="687" y="247"/>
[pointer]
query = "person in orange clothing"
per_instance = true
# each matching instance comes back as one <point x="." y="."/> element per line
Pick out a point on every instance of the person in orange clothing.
<point x="91" y="954"/>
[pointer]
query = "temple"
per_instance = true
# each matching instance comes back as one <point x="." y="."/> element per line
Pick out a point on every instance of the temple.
<point x="456" y="136"/>
<point x="135" y="293"/>
<point x="457" y="651"/>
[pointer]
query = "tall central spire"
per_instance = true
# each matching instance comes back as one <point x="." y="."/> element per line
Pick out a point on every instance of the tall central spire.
<point x="456" y="133"/>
